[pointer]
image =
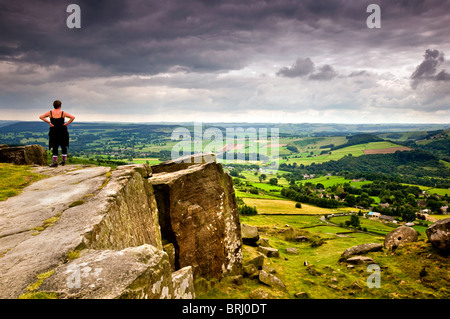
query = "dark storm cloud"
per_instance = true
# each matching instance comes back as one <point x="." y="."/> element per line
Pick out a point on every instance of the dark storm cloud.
<point x="426" y="71"/>
<point x="146" y="37"/>
<point x="149" y="37"/>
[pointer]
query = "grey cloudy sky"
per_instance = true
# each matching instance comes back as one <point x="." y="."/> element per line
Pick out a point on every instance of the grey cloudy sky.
<point x="227" y="61"/>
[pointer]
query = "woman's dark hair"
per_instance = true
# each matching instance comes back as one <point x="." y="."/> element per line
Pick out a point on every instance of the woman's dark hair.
<point x="57" y="104"/>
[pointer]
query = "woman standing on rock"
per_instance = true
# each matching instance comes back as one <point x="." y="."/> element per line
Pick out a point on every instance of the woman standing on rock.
<point x="58" y="134"/>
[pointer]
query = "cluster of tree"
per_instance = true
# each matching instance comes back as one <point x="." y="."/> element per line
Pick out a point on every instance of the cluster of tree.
<point x="247" y="210"/>
<point x="244" y="209"/>
<point x="439" y="145"/>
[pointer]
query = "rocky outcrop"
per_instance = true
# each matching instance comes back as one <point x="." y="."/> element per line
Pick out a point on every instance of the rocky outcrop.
<point x="23" y="155"/>
<point x="182" y="163"/>
<point x="250" y="234"/>
<point x="89" y="208"/>
<point x="439" y="234"/>
<point x="198" y="215"/>
<point x="97" y="232"/>
<point x="399" y="236"/>
<point x="360" y="249"/>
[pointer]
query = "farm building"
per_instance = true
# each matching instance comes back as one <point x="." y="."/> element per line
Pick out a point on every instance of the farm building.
<point x="386" y="217"/>
<point x="374" y="215"/>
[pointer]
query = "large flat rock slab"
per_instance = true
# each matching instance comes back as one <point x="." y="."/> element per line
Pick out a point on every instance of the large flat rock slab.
<point x="115" y="210"/>
<point x="45" y="199"/>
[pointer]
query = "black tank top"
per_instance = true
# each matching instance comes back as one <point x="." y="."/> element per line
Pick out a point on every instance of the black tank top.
<point x="57" y="121"/>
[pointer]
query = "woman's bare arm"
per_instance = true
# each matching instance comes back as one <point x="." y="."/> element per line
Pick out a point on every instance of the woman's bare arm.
<point x="69" y="116"/>
<point x="44" y="116"/>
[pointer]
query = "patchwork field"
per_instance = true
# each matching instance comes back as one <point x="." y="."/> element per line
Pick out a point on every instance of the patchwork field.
<point x="354" y="150"/>
<point x="279" y="206"/>
<point x="388" y="150"/>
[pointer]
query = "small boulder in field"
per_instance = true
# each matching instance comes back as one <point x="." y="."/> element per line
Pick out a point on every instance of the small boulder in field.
<point x="250" y="234"/>
<point x="399" y="236"/>
<point x="361" y="249"/>
<point x="269" y="251"/>
<point x="439" y="234"/>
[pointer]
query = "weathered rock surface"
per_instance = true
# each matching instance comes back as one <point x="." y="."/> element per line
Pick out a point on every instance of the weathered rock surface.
<point x="439" y="234"/>
<point x="43" y="200"/>
<point x="113" y="211"/>
<point x="250" y="234"/>
<point x="116" y="221"/>
<point x="271" y="280"/>
<point x="182" y="163"/>
<point x="258" y="262"/>
<point x="358" y="260"/>
<point x="23" y="155"/>
<point x="251" y="271"/>
<point x="198" y="214"/>
<point x="269" y="251"/>
<point x="132" y="273"/>
<point x="183" y="283"/>
<point x="263" y="242"/>
<point x="361" y="249"/>
<point x="399" y="236"/>
<point x="260" y="293"/>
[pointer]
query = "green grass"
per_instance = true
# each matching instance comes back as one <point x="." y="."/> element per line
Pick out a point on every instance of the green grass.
<point x="354" y="150"/>
<point x="329" y="181"/>
<point x="326" y="277"/>
<point x="267" y="187"/>
<point x="371" y="225"/>
<point x="332" y="279"/>
<point x="242" y="194"/>
<point x="150" y="161"/>
<point x="31" y="292"/>
<point x="13" y="178"/>
<point x="432" y="190"/>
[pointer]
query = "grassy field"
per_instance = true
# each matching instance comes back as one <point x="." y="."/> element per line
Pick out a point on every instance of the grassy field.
<point x="328" y="181"/>
<point x="327" y="278"/>
<point x="354" y="150"/>
<point x="371" y="225"/>
<point x="278" y="206"/>
<point x="150" y="161"/>
<point x="245" y="195"/>
<point x="433" y="190"/>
